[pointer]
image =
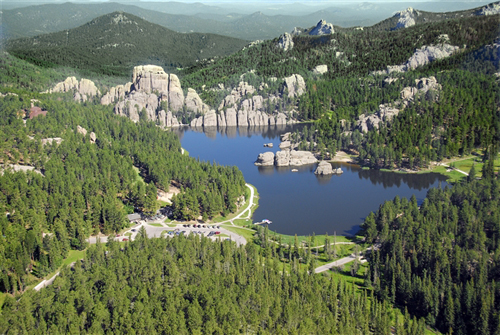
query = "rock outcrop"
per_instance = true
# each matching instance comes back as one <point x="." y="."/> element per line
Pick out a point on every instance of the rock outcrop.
<point x="491" y="9"/>
<point x="296" y="31"/>
<point x="265" y="159"/>
<point x="322" y="28"/>
<point x="425" y="88"/>
<point x="81" y="130"/>
<point x="423" y="56"/>
<point x="294" y="158"/>
<point x="152" y="88"/>
<point x="285" y="42"/>
<point x="194" y="103"/>
<point x="116" y="94"/>
<point x="84" y="89"/>
<point x="295" y="85"/>
<point x="325" y="168"/>
<point x="320" y="69"/>
<point x="406" y="18"/>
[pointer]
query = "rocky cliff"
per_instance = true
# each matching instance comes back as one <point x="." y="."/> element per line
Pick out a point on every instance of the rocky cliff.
<point x="421" y="57"/>
<point x="244" y="107"/>
<point x="150" y="91"/>
<point x="285" y="42"/>
<point x="322" y="28"/>
<point x="83" y="90"/>
<point x="406" y="18"/>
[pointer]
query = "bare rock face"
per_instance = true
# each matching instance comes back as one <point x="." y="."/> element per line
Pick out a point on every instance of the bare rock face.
<point x="285" y="145"/>
<point x="242" y="118"/>
<point x="134" y="104"/>
<point x="93" y="138"/>
<point x="116" y="94"/>
<point x="265" y="159"/>
<point x="210" y="119"/>
<point x="281" y="119"/>
<point x="430" y="53"/>
<point x="171" y="120"/>
<point x="231" y="117"/>
<point x="296" y="85"/>
<point x="150" y="78"/>
<point x="81" y="130"/>
<point x="320" y="69"/>
<point x="298" y="158"/>
<point x="424" y="88"/>
<point x="322" y="28"/>
<point x="285" y="42"/>
<point x="175" y="94"/>
<point x="406" y="18"/>
<point x="194" y="103"/>
<point x="421" y="57"/>
<point x="197" y="122"/>
<point x="221" y="119"/>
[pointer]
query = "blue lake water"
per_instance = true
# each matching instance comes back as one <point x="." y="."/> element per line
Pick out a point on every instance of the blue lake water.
<point x="300" y="202"/>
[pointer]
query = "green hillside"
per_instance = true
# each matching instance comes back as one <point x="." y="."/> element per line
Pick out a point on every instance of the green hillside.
<point x="114" y="43"/>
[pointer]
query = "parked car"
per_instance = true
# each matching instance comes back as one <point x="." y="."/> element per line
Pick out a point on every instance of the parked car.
<point x="125" y="239"/>
<point x="133" y="230"/>
<point x="217" y="232"/>
<point x="118" y="235"/>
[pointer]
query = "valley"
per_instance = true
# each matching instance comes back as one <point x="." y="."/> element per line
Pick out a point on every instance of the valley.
<point x="370" y="141"/>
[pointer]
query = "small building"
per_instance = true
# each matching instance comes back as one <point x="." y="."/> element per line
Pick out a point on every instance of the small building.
<point x="134" y="217"/>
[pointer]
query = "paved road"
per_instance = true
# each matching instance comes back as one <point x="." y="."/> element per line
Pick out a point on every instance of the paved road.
<point x="344" y="260"/>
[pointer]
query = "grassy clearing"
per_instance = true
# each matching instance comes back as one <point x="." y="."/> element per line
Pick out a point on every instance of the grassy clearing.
<point x="128" y="234"/>
<point x="155" y="224"/>
<point x="303" y="240"/>
<point x="73" y="256"/>
<point x="247" y="234"/>
<point x="138" y="177"/>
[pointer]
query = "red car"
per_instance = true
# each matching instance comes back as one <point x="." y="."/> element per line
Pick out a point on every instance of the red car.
<point x="125" y="239"/>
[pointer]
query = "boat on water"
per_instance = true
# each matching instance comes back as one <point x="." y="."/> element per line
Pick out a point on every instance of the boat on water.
<point x="264" y="221"/>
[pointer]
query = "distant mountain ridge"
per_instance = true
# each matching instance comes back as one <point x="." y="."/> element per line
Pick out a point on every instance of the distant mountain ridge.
<point x="40" y="19"/>
<point x="114" y="43"/>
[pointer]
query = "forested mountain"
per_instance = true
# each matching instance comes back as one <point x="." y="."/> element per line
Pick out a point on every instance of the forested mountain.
<point x="195" y="286"/>
<point x="441" y="260"/>
<point x="112" y="44"/>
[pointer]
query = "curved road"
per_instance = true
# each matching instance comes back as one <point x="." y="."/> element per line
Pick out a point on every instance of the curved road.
<point x="153" y="231"/>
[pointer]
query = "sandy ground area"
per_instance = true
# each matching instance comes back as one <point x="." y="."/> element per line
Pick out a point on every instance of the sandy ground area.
<point x="342" y="156"/>
<point x="167" y="196"/>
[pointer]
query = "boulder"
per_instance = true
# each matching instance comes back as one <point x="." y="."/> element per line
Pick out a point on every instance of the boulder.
<point x="93" y="138"/>
<point x="295" y="84"/>
<point x="282" y="158"/>
<point x="81" y="130"/>
<point x="265" y="159"/>
<point x="324" y="168"/>
<point x="285" y="145"/>
<point x="322" y="28"/>
<point x="285" y="42"/>
<point x="320" y="69"/>
<point x="298" y="158"/>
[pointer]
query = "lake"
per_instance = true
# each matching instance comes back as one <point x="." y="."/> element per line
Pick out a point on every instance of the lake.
<point x="300" y="202"/>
